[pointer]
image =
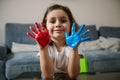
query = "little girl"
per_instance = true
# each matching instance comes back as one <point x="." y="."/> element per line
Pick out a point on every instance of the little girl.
<point x="58" y="46"/>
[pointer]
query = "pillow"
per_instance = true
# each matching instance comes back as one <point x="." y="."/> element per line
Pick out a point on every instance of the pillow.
<point x="114" y="39"/>
<point x="17" y="47"/>
<point x="90" y="45"/>
<point x="111" y="44"/>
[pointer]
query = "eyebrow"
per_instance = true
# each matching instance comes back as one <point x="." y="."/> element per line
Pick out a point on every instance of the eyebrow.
<point x="65" y="17"/>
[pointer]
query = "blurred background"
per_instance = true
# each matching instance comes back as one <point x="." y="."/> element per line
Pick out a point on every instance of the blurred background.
<point x="98" y="12"/>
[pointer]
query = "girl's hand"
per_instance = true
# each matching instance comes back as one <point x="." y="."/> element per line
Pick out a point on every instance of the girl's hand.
<point x="40" y="35"/>
<point x="76" y="37"/>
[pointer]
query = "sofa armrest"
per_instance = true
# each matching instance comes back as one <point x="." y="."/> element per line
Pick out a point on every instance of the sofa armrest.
<point x="3" y="51"/>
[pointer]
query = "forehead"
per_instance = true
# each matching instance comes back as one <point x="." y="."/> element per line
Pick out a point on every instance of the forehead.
<point x="57" y="13"/>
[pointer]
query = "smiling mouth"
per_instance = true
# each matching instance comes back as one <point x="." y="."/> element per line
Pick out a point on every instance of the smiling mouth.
<point x="58" y="30"/>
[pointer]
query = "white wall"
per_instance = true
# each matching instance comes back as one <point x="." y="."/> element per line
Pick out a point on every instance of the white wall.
<point x="99" y="12"/>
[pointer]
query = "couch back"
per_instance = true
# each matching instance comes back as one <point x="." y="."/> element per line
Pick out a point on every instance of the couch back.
<point x="93" y="32"/>
<point x="16" y="32"/>
<point x="109" y="31"/>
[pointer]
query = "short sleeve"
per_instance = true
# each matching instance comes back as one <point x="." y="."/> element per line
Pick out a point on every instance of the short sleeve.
<point x="51" y="52"/>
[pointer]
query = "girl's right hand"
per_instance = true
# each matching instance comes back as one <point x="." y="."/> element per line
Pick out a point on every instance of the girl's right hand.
<point x="40" y="35"/>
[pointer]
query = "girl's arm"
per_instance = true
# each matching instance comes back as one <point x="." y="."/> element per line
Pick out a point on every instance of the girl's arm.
<point x="73" y="41"/>
<point x="41" y="36"/>
<point x="73" y="64"/>
<point x="46" y="63"/>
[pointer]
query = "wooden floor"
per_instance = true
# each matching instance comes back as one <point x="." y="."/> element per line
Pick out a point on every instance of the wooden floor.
<point x="97" y="76"/>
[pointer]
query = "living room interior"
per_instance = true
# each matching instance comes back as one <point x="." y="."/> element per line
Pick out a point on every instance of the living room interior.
<point x="102" y="17"/>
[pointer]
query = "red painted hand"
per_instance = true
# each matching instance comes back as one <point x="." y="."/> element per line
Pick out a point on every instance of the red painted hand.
<point x="40" y="35"/>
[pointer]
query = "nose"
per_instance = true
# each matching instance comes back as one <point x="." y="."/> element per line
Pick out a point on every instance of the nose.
<point x="58" y="23"/>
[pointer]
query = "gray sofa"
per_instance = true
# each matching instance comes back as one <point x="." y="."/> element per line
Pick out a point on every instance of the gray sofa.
<point x="2" y="61"/>
<point x="26" y="63"/>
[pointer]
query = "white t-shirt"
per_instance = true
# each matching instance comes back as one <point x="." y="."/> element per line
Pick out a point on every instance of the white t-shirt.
<point x="60" y="58"/>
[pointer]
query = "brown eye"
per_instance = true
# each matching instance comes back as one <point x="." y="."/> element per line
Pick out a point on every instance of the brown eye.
<point x="52" y="21"/>
<point x="63" y="21"/>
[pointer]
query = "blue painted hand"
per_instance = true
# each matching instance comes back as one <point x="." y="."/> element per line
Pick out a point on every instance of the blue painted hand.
<point x="76" y="37"/>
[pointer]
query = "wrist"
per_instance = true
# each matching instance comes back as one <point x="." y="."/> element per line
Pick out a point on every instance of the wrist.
<point x="43" y="48"/>
<point x="43" y="51"/>
<point x="75" y="50"/>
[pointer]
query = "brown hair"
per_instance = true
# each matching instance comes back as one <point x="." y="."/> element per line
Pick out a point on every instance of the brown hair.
<point x="67" y="11"/>
<point x="64" y="8"/>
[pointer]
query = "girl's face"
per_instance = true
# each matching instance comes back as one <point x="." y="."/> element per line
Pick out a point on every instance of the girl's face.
<point x="57" y="23"/>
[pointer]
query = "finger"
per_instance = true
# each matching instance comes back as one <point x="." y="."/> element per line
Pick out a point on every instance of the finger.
<point x="42" y="24"/>
<point x="66" y="34"/>
<point x="86" y="38"/>
<point x="46" y="31"/>
<point x="85" y="32"/>
<point x="30" y="35"/>
<point x="43" y="28"/>
<point x="37" y="27"/>
<point x="73" y="28"/>
<point x="33" y="30"/>
<point x="80" y="29"/>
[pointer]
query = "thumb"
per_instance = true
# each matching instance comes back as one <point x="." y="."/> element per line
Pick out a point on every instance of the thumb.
<point x="66" y="34"/>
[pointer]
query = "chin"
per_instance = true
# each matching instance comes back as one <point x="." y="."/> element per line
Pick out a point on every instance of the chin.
<point x="59" y="36"/>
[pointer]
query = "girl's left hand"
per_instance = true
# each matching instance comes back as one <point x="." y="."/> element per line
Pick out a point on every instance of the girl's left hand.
<point x="76" y="37"/>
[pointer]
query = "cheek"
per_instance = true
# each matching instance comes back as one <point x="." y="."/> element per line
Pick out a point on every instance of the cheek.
<point x="49" y="28"/>
<point x="67" y="28"/>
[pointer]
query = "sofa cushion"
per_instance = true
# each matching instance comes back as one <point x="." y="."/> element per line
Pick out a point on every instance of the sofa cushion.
<point x="103" y="61"/>
<point x="93" y="32"/>
<point x="20" y="63"/>
<point x="109" y="31"/>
